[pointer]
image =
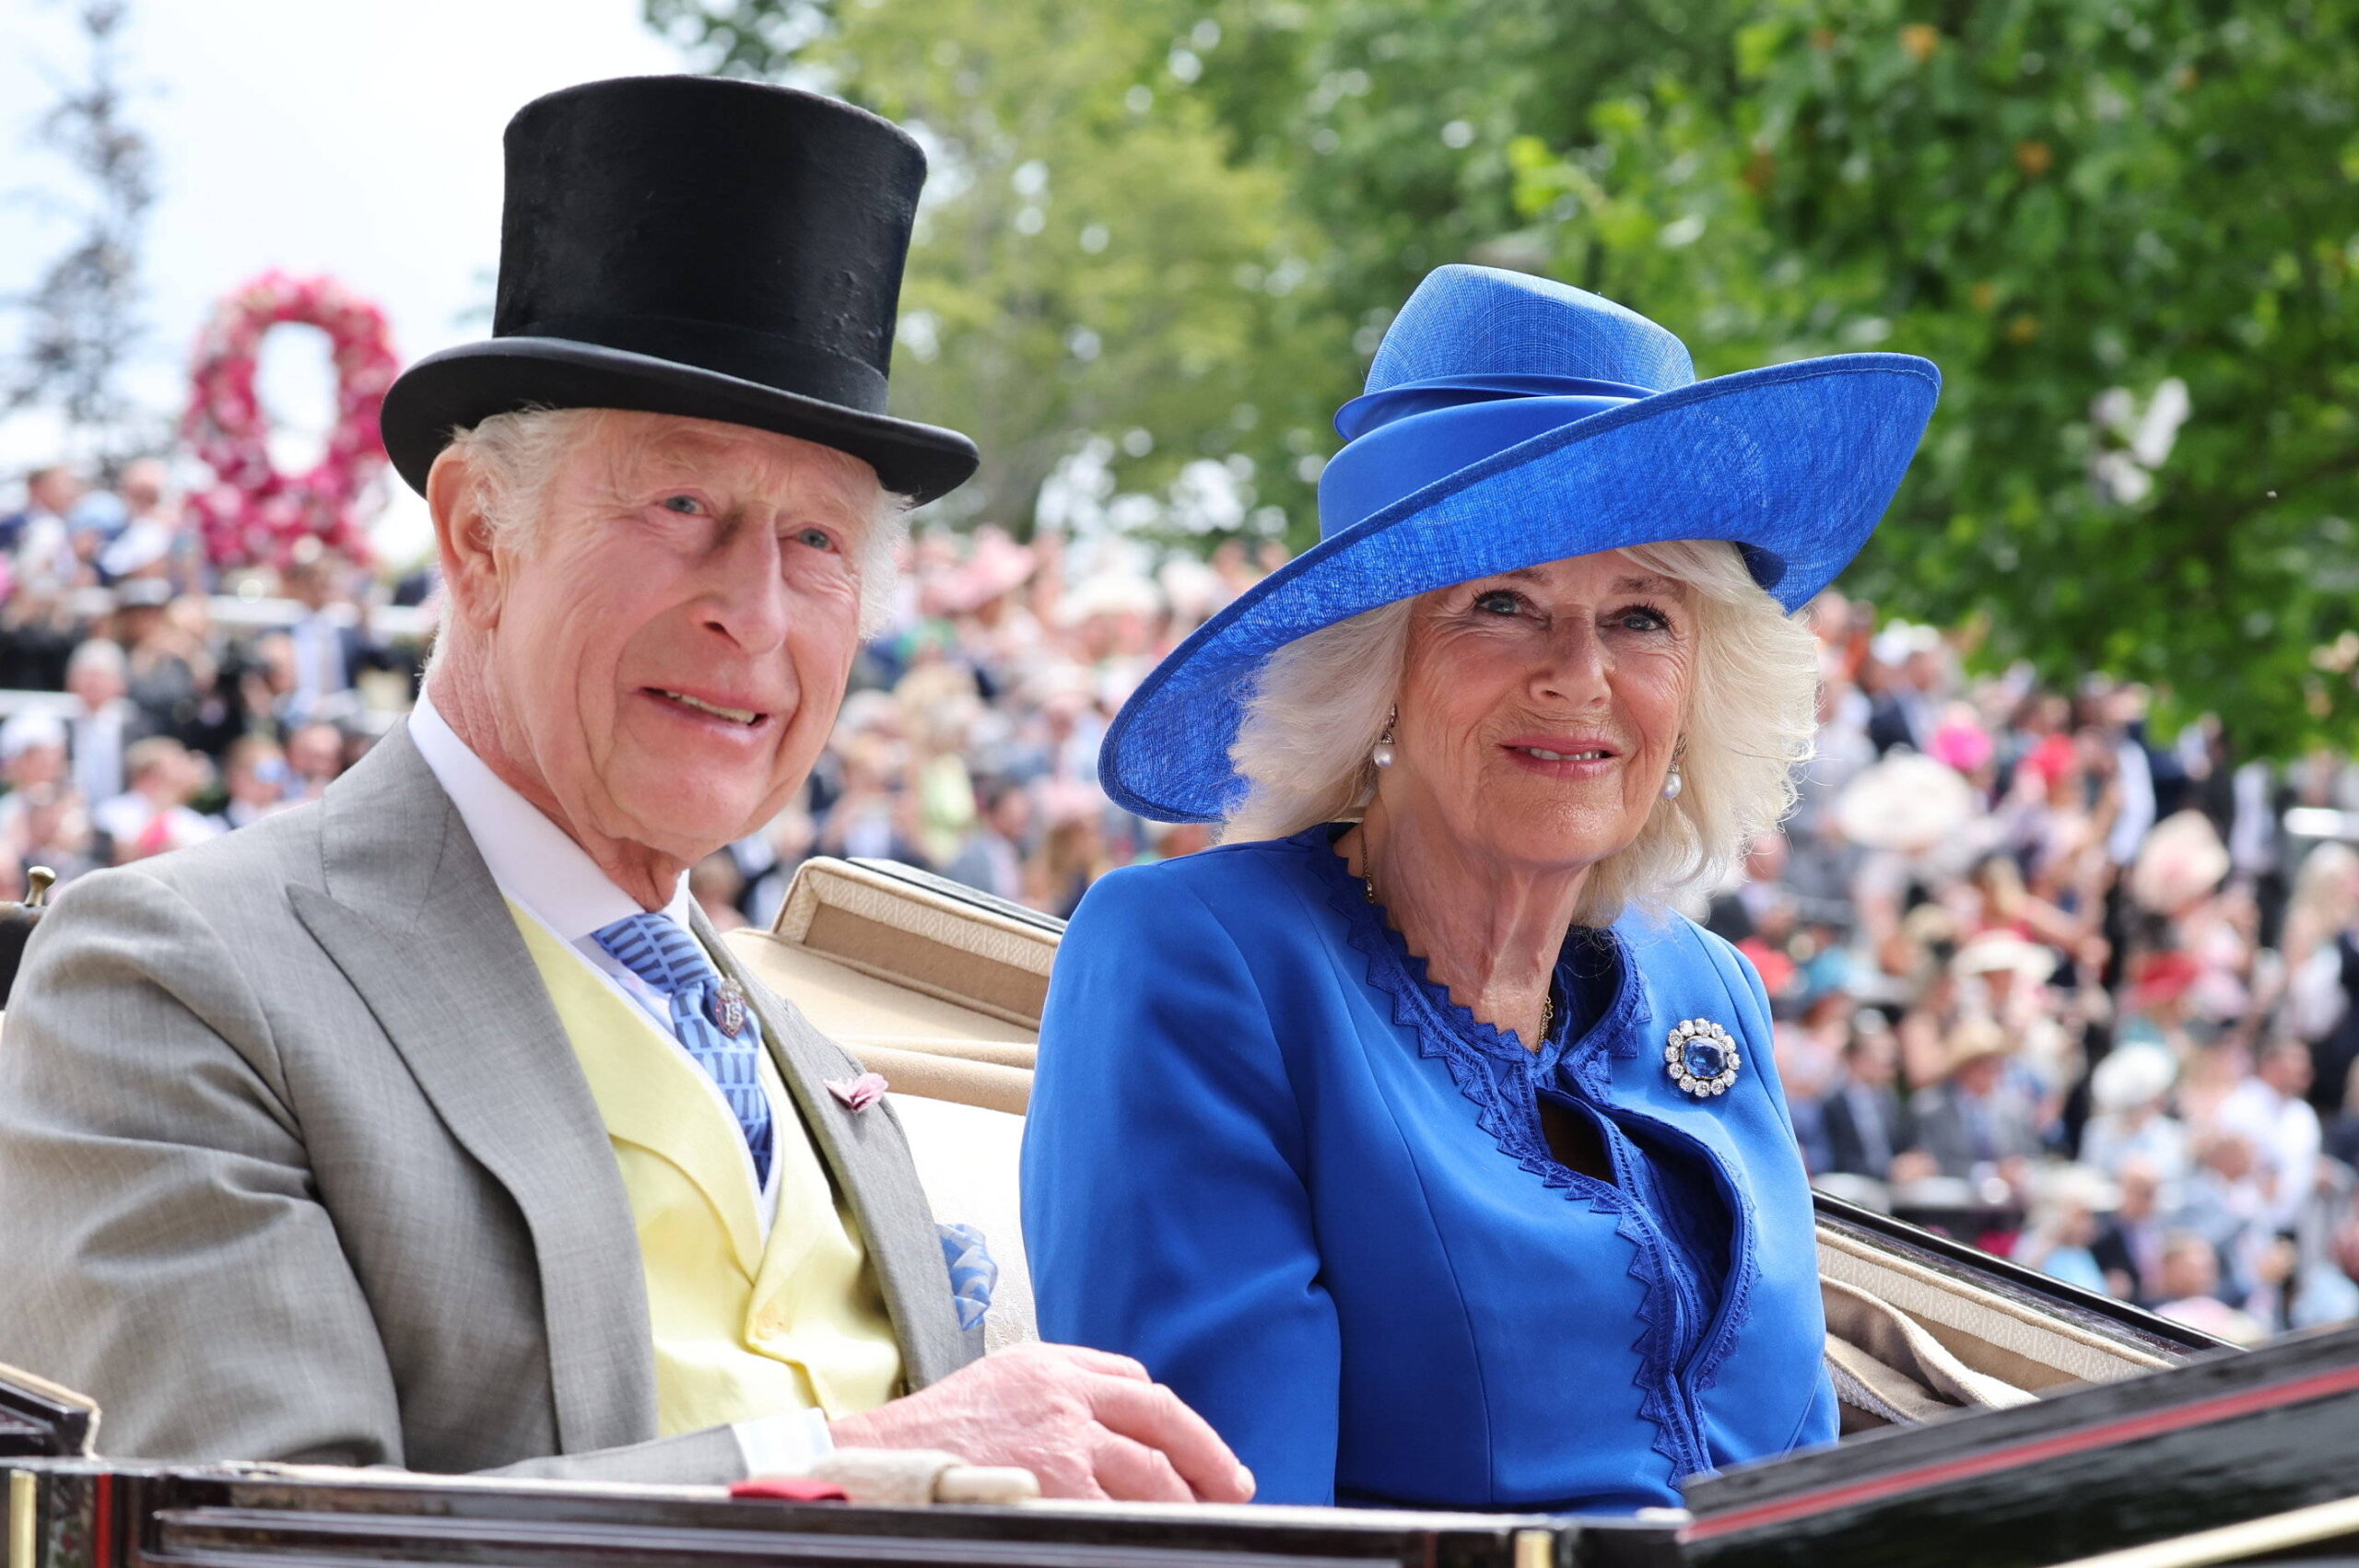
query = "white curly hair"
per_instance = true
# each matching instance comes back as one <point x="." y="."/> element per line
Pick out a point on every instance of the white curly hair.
<point x="1750" y="722"/>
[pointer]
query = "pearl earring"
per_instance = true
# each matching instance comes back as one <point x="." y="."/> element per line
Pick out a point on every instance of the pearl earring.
<point x="1673" y="784"/>
<point x="1381" y="752"/>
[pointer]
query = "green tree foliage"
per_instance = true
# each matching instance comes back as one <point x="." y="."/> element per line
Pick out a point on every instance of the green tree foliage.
<point x="1397" y="121"/>
<point x="1091" y="268"/>
<point x="80" y="321"/>
<point x="2086" y="212"/>
<point x="2125" y="228"/>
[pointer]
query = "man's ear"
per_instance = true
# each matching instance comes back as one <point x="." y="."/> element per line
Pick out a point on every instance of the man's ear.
<point x="471" y="568"/>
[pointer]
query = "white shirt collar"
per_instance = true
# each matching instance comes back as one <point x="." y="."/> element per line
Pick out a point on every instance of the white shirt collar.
<point x="534" y="860"/>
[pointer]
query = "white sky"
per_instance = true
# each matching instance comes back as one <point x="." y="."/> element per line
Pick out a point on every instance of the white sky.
<point x="358" y="138"/>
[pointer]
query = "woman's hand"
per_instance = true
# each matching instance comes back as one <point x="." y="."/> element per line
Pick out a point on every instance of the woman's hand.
<point x="1086" y="1424"/>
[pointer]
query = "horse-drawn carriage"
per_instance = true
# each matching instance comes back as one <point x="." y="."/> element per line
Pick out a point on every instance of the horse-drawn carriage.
<point x="1991" y="1416"/>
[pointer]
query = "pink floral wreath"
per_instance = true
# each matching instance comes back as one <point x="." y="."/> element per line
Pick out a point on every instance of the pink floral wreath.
<point x="255" y="515"/>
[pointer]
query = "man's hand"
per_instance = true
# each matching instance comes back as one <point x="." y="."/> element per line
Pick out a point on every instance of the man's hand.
<point x="1089" y="1425"/>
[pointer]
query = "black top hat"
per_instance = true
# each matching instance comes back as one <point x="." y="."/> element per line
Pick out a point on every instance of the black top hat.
<point x="720" y="250"/>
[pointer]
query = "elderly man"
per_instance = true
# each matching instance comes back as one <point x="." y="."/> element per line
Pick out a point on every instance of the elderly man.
<point x="431" y="1125"/>
<point x="104" y="723"/>
<point x="37" y="537"/>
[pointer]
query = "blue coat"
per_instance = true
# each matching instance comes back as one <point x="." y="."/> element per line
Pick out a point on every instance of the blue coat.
<point x="1271" y="1161"/>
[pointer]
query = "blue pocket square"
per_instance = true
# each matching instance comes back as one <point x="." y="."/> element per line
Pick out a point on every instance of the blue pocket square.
<point x="973" y="1275"/>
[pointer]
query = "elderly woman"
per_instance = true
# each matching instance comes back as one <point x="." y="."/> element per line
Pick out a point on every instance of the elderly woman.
<point x="1405" y="1136"/>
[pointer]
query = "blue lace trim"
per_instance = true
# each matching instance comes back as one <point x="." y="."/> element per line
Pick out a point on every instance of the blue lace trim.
<point x="1736" y="1309"/>
<point x="1743" y="1267"/>
<point x="974" y="1274"/>
<point x="1476" y="1053"/>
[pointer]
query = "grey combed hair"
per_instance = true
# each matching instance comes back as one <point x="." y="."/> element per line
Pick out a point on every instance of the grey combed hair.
<point x="516" y="455"/>
<point x="1321" y="702"/>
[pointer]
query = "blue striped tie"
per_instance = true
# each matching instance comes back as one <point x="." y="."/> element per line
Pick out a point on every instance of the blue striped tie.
<point x="654" y="947"/>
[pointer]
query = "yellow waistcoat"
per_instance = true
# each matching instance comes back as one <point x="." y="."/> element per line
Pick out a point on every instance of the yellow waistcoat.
<point x="741" y="1331"/>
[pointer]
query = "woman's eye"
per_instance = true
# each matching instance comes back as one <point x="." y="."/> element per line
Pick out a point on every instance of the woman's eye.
<point x="816" y="539"/>
<point x="687" y="505"/>
<point x="1499" y="603"/>
<point x="1639" y="618"/>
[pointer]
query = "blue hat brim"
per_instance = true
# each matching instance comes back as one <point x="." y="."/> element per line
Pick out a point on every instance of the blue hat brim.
<point x="1793" y="463"/>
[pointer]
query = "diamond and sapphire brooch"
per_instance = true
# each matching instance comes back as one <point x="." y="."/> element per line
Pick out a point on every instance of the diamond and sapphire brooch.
<point x="1701" y="1058"/>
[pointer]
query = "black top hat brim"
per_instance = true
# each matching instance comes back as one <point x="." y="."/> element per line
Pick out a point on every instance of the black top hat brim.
<point x="459" y="388"/>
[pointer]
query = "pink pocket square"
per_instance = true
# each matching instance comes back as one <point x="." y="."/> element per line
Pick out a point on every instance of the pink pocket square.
<point x="860" y="1093"/>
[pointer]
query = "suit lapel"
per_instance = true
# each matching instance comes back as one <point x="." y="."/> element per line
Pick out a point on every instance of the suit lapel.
<point x="414" y="921"/>
<point x="868" y="1156"/>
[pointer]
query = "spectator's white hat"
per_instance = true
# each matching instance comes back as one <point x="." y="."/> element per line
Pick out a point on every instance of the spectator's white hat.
<point x="1907" y="802"/>
<point x="1190" y="587"/>
<point x="2064" y="1187"/>
<point x="143" y="593"/>
<point x="23" y="731"/>
<point x="136" y="548"/>
<point x="868" y="709"/>
<point x="1900" y="639"/>
<point x="1971" y="1041"/>
<point x="1062" y="682"/>
<point x="2181" y="861"/>
<point x="1110" y="594"/>
<point x="2130" y="1076"/>
<point x="2000" y="951"/>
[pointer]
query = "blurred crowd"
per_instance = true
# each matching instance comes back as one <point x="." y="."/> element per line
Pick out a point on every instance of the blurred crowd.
<point x="968" y="744"/>
<point x="147" y="702"/>
<point x="2066" y="991"/>
<point x="2069" y="993"/>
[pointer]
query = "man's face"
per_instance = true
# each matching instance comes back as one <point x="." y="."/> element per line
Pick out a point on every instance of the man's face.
<point x="1874" y="1061"/>
<point x="2188" y="1270"/>
<point x="313" y="584"/>
<point x="1980" y="1076"/>
<point x="142" y="486"/>
<point x="315" y="750"/>
<point x="2231" y="1156"/>
<point x="2141" y="1186"/>
<point x="2286" y="1068"/>
<point x="37" y="765"/>
<point x="673" y="637"/>
<point x="135" y="624"/>
<point x="54" y="490"/>
<point x="95" y="684"/>
<point x="254" y="777"/>
<point x="1011" y="815"/>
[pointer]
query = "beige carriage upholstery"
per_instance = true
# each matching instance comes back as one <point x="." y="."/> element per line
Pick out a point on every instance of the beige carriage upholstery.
<point x="940" y="990"/>
<point x="943" y="996"/>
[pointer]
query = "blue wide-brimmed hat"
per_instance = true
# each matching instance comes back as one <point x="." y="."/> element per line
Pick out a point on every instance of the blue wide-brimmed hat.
<point x="1509" y="421"/>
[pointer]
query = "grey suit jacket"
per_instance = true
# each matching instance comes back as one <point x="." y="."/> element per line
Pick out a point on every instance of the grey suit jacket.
<point x="297" y="1162"/>
<point x="1942" y="1129"/>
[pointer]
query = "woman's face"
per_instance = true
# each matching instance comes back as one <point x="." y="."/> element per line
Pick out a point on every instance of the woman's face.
<point x="1539" y="710"/>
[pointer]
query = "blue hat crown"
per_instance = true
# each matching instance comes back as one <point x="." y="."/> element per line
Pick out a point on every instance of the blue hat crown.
<point x="1509" y="421"/>
<point x="1480" y="360"/>
<point x="1465" y="321"/>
